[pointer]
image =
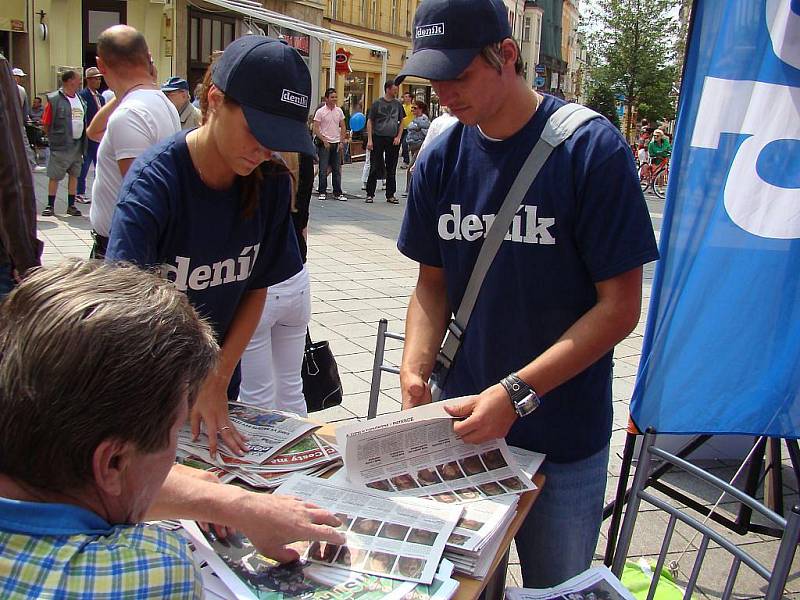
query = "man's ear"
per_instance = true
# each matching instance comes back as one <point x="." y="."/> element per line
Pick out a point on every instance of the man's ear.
<point x="101" y="66"/>
<point x="110" y="461"/>
<point x="509" y="51"/>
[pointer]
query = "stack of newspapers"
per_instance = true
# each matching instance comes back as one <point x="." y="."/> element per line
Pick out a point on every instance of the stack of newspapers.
<point x="478" y="534"/>
<point x="280" y="445"/>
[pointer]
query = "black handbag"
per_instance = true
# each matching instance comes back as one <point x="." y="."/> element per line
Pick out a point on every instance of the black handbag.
<point x="322" y="386"/>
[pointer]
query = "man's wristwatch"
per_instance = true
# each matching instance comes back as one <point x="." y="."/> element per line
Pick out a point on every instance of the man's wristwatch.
<point x="523" y="397"/>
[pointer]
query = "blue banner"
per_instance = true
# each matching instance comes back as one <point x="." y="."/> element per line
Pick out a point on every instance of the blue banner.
<point x="722" y="345"/>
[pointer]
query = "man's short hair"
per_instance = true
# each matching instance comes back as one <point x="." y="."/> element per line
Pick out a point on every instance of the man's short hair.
<point x="330" y="91"/>
<point x="388" y="84"/>
<point x="493" y="54"/>
<point x="68" y="75"/>
<point x="91" y="352"/>
<point x="123" y="46"/>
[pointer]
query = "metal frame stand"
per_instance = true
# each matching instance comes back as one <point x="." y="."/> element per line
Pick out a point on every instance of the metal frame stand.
<point x="767" y="448"/>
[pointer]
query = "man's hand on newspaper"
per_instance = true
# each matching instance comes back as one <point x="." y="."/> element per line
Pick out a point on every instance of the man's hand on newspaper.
<point x="273" y="522"/>
<point x="211" y="407"/>
<point x="487" y="416"/>
<point x="414" y="389"/>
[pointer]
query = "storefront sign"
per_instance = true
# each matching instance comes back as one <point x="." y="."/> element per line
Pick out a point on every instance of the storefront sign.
<point x="343" y="61"/>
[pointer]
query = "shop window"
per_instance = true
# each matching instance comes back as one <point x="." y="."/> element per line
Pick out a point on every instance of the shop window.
<point x="207" y="33"/>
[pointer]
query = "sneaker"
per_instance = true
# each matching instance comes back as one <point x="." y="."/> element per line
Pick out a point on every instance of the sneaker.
<point x="341" y="198"/>
<point x="364" y="186"/>
<point x="39" y="169"/>
<point x="48" y="211"/>
<point x="74" y="212"/>
<point x="321" y="197"/>
<point x="383" y="184"/>
<point x="369" y="200"/>
<point x="83" y="199"/>
<point x="393" y="200"/>
<point x="404" y="165"/>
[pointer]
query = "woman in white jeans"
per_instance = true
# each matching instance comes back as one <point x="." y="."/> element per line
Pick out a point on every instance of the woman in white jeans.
<point x="272" y="362"/>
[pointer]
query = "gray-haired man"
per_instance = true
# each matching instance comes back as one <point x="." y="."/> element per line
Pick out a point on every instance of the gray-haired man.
<point x="89" y="439"/>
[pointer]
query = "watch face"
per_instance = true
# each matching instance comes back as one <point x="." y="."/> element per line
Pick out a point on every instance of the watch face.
<point x="527" y="405"/>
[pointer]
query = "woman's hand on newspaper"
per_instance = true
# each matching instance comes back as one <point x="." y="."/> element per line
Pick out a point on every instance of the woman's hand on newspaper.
<point x="414" y="389"/>
<point x="487" y="416"/>
<point x="211" y="407"/>
<point x="273" y="522"/>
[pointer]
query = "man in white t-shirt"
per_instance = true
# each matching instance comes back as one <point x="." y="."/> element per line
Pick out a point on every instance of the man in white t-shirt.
<point x="63" y="123"/>
<point x="139" y="116"/>
<point x="329" y="135"/>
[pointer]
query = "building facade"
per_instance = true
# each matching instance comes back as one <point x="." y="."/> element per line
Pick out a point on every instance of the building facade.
<point x="531" y="42"/>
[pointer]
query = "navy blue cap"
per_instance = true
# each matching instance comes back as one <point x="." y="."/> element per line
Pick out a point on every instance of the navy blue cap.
<point x="449" y="34"/>
<point x="272" y="84"/>
<point x="173" y="84"/>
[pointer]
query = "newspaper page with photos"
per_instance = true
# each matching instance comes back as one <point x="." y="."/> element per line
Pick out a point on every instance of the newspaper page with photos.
<point x="400" y="538"/>
<point x="233" y="568"/>
<point x="597" y="583"/>
<point x="416" y="453"/>
<point x="267" y="433"/>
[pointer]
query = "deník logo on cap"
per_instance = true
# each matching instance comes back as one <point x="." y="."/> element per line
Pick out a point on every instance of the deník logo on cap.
<point x="430" y="30"/>
<point x="295" y="98"/>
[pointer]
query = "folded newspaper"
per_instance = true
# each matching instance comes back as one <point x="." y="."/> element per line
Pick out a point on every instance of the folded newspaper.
<point x="396" y="537"/>
<point x="280" y="444"/>
<point x="267" y="432"/>
<point x="417" y="453"/>
<point x="597" y="583"/>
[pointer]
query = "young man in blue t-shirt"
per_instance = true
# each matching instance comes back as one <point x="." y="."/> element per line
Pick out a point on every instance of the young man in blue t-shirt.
<point x="564" y="288"/>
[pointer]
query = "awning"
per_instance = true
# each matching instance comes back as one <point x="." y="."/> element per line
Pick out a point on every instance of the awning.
<point x="254" y="10"/>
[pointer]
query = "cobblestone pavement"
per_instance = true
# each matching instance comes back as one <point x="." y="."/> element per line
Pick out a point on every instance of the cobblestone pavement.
<point x="359" y="277"/>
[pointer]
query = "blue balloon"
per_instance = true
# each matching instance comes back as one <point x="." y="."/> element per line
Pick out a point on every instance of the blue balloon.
<point x="357" y="121"/>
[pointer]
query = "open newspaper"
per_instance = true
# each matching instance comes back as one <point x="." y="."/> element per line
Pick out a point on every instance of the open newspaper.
<point x="400" y="538"/>
<point x="597" y="583"/>
<point x="267" y="432"/>
<point x="416" y="453"/>
<point x="232" y="568"/>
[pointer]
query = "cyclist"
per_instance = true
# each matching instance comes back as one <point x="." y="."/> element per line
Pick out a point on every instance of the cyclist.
<point x="659" y="150"/>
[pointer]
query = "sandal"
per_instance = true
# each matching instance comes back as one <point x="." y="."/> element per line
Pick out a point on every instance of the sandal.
<point x="393" y="200"/>
<point x="369" y="200"/>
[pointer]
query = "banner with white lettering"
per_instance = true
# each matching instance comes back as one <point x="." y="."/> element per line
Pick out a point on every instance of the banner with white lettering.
<point x="722" y="344"/>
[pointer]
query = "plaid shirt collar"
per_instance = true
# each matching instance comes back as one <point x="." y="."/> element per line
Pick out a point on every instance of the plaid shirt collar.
<point x="44" y="518"/>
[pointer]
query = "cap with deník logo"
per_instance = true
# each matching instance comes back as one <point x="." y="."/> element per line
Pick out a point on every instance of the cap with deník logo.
<point x="272" y="84"/>
<point x="449" y="34"/>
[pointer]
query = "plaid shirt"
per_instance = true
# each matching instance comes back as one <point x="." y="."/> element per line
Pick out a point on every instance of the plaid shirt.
<point x="62" y="551"/>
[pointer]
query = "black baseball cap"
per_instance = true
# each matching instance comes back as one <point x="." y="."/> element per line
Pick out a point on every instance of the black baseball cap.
<point x="449" y="34"/>
<point x="173" y="84"/>
<point x="272" y="84"/>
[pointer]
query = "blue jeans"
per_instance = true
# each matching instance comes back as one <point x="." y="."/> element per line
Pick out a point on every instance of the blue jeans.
<point x="7" y="282"/>
<point x="558" y="538"/>
<point x="329" y="157"/>
<point x="88" y="158"/>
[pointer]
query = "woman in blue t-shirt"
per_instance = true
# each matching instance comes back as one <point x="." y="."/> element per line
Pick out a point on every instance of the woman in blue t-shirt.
<point x="210" y="208"/>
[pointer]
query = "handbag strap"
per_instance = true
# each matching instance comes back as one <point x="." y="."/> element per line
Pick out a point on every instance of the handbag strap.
<point x="559" y="127"/>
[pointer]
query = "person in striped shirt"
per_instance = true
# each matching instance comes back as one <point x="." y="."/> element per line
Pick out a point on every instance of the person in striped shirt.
<point x="99" y="365"/>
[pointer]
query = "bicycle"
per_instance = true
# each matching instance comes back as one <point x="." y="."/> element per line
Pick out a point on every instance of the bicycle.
<point x="655" y="178"/>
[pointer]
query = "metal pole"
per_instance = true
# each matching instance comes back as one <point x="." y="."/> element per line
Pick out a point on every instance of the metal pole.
<point x="385" y="56"/>
<point x="332" y="72"/>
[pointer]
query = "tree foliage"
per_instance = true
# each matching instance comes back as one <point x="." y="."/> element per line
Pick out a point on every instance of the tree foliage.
<point x="632" y="44"/>
<point x="601" y="99"/>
